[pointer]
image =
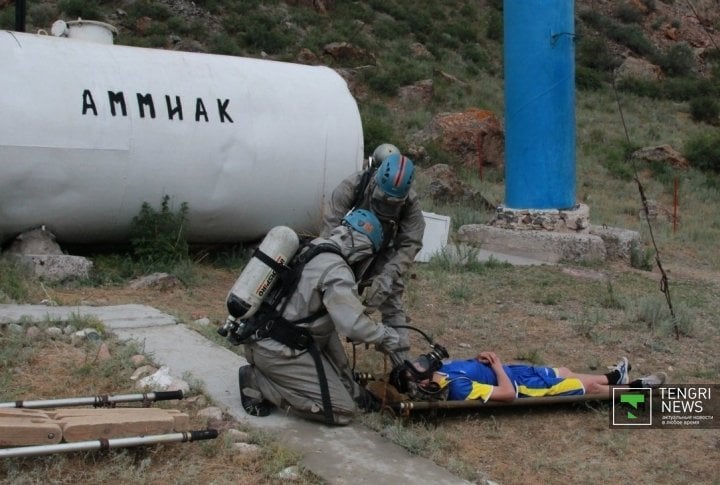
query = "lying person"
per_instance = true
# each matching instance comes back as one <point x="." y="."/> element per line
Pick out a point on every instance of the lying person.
<point x="487" y="378"/>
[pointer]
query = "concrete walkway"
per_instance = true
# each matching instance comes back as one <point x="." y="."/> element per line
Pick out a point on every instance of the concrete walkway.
<point x="340" y="455"/>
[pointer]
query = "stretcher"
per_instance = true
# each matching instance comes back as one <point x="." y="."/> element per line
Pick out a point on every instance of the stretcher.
<point x="401" y="404"/>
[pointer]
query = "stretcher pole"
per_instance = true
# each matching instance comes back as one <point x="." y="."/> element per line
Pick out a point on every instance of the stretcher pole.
<point x="96" y="401"/>
<point x="407" y="406"/>
<point x="106" y="444"/>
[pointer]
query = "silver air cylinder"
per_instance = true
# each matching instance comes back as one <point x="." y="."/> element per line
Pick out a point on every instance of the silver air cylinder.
<point x="257" y="278"/>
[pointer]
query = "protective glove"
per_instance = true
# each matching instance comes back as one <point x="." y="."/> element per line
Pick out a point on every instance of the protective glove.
<point x="390" y="341"/>
<point x="378" y="291"/>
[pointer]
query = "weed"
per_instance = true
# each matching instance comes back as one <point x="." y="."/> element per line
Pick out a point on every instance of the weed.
<point x="641" y="258"/>
<point x="588" y="326"/>
<point x="705" y="109"/>
<point x="532" y="356"/>
<point x="460" y="292"/>
<point x="80" y="8"/>
<point x="158" y="237"/>
<point x="654" y="312"/>
<point x="14" y="279"/>
<point x="703" y="151"/>
<point x="610" y="300"/>
<point x="80" y="321"/>
<point x="629" y="13"/>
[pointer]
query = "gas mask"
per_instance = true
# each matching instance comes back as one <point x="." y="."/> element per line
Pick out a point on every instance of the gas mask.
<point x="384" y="205"/>
<point x="409" y="377"/>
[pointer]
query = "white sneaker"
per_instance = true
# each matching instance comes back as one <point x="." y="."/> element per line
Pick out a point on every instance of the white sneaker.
<point x="623" y="366"/>
<point x="654" y="380"/>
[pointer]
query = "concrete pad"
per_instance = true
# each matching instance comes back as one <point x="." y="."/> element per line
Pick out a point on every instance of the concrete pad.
<point x="340" y="455"/>
<point x="549" y="247"/>
<point x="117" y="316"/>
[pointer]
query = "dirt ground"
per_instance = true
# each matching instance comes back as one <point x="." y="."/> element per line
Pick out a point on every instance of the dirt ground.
<point x="579" y="317"/>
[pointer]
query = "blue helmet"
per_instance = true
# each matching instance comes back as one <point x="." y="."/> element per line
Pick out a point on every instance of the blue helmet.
<point x="395" y="175"/>
<point x="367" y="223"/>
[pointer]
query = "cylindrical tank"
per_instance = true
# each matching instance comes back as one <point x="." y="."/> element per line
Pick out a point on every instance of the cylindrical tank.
<point x="80" y="29"/>
<point x="539" y="49"/>
<point x="258" y="277"/>
<point x="88" y="132"/>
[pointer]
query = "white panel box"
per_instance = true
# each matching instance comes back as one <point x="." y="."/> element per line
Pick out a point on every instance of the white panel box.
<point x="435" y="238"/>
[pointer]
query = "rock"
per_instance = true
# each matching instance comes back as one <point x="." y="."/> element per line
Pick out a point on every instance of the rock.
<point x="159" y="281"/>
<point x="476" y="136"/>
<point x="142" y="372"/>
<point x="662" y="153"/>
<point x="212" y="413"/>
<point x="103" y="353"/>
<point x="205" y="321"/>
<point x="345" y="52"/>
<point x="634" y="68"/>
<point x="290" y="473"/>
<point x="36" y="241"/>
<point x="198" y="400"/>
<point x="162" y="380"/>
<point x="137" y="360"/>
<point x="32" y="331"/>
<point x="238" y="436"/>
<point x="420" y="92"/>
<point x="445" y="186"/>
<point x="306" y="56"/>
<point x="54" y="332"/>
<point x="247" y="449"/>
<point x="84" y="335"/>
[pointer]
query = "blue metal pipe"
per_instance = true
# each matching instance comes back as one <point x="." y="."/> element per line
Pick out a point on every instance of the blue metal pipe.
<point x="539" y="104"/>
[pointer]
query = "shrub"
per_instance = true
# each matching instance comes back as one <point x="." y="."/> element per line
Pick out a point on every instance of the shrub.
<point x="494" y="29"/>
<point x="263" y="33"/>
<point x="617" y="159"/>
<point x="703" y="151"/>
<point x="588" y="79"/>
<point x="377" y="127"/>
<point x="158" y="238"/>
<point x="640" y="258"/>
<point x="13" y="282"/>
<point x="79" y="8"/>
<point x="594" y="53"/>
<point x="146" y="8"/>
<point x="678" y="61"/>
<point x="628" y="13"/>
<point x="632" y="37"/>
<point x="705" y="109"/>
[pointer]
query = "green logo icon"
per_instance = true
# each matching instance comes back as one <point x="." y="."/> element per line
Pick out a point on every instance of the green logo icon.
<point x="633" y="400"/>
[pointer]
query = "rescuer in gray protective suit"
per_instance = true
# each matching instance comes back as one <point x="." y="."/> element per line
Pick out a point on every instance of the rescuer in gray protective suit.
<point x="290" y="378"/>
<point x="386" y="189"/>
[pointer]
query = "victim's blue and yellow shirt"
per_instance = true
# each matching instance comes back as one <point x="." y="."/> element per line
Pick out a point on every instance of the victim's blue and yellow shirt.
<point x="471" y="379"/>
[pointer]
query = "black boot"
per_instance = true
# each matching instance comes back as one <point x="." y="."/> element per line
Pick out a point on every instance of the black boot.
<point x="250" y="397"/>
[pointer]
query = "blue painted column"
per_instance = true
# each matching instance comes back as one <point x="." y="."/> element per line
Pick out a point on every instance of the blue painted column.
<point x="539" y="104"/>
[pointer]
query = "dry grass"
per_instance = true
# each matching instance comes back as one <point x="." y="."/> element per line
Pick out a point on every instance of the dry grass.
<point x="44" y="368"/>
<point x="543" y="314"/>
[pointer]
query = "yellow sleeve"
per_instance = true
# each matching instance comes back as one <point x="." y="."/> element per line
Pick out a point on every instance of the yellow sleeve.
<point x="480" y="391"/>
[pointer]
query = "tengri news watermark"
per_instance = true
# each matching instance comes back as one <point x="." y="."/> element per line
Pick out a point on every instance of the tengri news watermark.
<point x="681" y="406"/>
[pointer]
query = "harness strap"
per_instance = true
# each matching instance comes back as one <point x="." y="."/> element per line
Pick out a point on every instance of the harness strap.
<point x="300" y="339"/>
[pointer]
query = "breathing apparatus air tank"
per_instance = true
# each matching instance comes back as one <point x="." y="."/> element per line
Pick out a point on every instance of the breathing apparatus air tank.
<point x="258" y="277"/>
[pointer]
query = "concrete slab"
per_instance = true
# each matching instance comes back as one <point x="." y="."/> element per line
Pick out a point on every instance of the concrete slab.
<point x="117" y="316"/>
<point x="340" y="455"/>
<point x="550" y="247"/>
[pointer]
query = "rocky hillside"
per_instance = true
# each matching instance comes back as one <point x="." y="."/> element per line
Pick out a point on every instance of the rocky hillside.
<point x="406" y="64"/>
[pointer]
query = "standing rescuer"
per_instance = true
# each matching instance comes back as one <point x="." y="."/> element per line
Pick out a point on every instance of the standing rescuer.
<point x="385" y="188"/>
<point x="297" y="361"/>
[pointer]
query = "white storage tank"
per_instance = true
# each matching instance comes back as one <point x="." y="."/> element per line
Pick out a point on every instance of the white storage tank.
<point x="90" y="131"/>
